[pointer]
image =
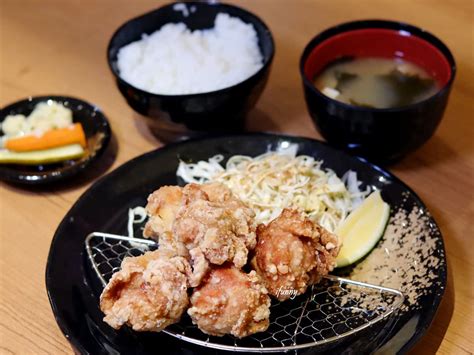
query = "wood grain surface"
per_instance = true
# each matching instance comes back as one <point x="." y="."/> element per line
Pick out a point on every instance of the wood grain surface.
<point x="58" y="47"/>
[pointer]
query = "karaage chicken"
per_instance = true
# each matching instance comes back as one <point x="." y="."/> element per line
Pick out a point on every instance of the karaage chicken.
<point x="202" y="220"/>
<point x="205" y="235"/>
<point x="292" y="253"/>
<point x="230" y="301"/>
<point x="148" y="293"/>
<point x="162" y="206"/>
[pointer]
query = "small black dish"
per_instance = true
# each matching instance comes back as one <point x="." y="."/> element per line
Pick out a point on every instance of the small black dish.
<point x="382" y="135"/>
<point x="172" y="117"/>
<point x="96" y="128"/>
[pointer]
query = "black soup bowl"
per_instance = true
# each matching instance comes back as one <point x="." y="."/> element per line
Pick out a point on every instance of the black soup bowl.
<point x="382" y="135"/>
<point x="172" y="117"/>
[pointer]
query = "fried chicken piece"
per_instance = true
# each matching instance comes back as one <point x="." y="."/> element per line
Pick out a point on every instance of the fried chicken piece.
<point x="164" y="203"/>
<point x="230" y="301"/>
<point x="223" y="228"/>
<point x="292" y="253"/>
<point x="162" y="206"/>
<point x="202" y="220"/>
<point x="200" y="267"/>
<point x="148" y="293"/>
<point x="217" y="192"/>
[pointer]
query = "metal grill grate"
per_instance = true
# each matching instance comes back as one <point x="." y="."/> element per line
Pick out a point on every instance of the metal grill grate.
<point x="329" y="311"/>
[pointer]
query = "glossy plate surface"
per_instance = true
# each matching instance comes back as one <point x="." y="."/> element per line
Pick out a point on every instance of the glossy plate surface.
<point x="74" y="289"/>
<point x="96" y="128"/>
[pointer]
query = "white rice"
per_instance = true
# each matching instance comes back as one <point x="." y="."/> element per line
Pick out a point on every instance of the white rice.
<point x="176" y="61"/>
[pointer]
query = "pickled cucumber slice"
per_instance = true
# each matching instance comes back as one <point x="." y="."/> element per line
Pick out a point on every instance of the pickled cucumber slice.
<point x="46" y="156"/>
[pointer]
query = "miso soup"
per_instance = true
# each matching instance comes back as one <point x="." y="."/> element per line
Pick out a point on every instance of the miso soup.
<point x="375" y="82"/>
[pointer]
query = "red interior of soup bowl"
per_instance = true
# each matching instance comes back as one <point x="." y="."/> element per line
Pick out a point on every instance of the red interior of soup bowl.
<point x="376" y="42"/>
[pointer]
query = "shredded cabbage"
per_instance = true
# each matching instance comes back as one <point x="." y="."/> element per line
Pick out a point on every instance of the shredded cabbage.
<point x="278" y="179"/>
<point x="136" y="215"/>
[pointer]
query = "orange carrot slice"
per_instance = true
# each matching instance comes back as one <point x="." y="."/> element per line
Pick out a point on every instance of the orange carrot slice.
<point x="49" y="139"/>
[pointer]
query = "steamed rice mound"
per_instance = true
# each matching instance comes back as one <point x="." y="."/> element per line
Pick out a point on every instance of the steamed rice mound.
<point x="177" y="61"/>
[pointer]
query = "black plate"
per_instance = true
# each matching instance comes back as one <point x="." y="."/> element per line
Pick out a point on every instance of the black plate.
<point x="96" y="128"/>
<point x="74" y="289"/>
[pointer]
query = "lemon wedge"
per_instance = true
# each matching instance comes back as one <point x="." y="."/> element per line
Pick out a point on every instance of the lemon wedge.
<point x="45" y="156"/>
<point x="362" y="229"/>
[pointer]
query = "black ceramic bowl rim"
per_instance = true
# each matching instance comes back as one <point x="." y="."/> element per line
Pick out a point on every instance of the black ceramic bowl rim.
<point x="224" y="6"/>
<point x="73" y="169"/>
<point x="384" y="24"/>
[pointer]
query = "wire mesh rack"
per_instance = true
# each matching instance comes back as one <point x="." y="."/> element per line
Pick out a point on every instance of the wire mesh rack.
<point x="329" y="311"/>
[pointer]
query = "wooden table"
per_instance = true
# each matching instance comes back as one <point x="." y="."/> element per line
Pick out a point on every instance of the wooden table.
<point x="58" y="47"/>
